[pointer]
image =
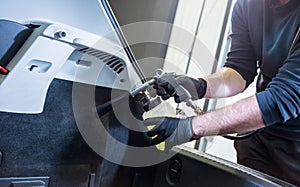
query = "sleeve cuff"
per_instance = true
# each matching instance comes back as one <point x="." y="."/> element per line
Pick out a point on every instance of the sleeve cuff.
<point x="269" y="112"/>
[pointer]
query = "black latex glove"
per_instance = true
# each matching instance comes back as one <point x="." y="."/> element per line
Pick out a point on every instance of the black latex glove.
<point x="173" y="131"/>
<point x="168" y="84"/>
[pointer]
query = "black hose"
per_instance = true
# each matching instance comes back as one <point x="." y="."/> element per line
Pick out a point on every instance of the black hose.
<point x="107" y="106"/>
<point x="243" y="136"/>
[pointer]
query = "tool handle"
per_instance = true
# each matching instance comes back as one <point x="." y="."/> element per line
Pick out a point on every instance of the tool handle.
<point x="182" y="93"/>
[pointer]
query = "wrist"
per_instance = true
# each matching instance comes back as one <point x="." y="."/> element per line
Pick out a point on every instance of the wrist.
<point x="196" y="131"/>
<point x="202" y="88"/>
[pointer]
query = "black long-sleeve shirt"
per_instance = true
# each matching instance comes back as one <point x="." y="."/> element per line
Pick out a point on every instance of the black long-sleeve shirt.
<point x="262" y="37"/>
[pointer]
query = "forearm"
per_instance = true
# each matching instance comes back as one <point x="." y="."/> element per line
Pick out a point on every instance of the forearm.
<point x="227" y="82"/>
<point x="240" y="117"/>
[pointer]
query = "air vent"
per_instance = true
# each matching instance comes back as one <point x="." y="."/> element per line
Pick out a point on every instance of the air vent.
<point x="114" y="63"/>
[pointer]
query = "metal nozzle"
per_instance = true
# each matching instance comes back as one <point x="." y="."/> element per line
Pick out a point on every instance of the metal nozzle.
<point x="142" y="88"/>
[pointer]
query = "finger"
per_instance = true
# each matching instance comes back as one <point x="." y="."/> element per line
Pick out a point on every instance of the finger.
<point x="157" y="85"/>
<point x="147" y="138"/>
<point x="161" y="81"/>
<point x="152" y="132"/>
<point x="159" y="138"/>
<point x="177" y="99"/>
<point x="155" y="131"/>
<point x="171" y="89"/>
<point x="160" y="91"/>
<point x="165" y="96"/>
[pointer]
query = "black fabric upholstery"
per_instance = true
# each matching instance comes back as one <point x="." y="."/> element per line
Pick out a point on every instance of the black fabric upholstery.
<point x="49" y="144"/>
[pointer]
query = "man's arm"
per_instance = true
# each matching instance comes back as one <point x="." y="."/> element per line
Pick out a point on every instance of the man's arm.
<point x="227" y="82"/>
<point x="240" y="117"/>
<point x="243" y="116"/>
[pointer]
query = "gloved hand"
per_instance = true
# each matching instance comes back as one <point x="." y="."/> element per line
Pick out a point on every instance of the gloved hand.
<point x="168" y="85"/>
<point x="173" y="131"/>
